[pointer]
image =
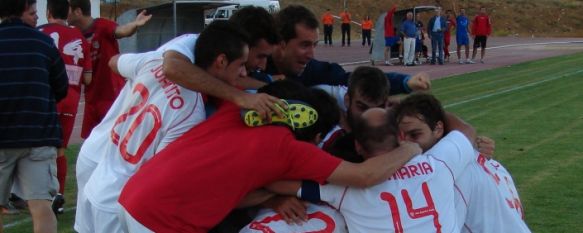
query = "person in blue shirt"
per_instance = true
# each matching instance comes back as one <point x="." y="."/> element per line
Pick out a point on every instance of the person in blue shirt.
<point x="409" y="32"/>
<point x="435" y="28"/>
<point x="462" y="36"/>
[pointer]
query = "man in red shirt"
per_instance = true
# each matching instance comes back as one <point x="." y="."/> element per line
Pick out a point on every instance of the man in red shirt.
<point x="345" y="26"/>
<point x="74" y="50"/>
<point x="102" y="35"/>
<point x="450" y="22"/>
<point x="328" y="22"/>
<point x="390" y="38"/>
<point x="196" y="190"/>
<point x="481" y="29"/>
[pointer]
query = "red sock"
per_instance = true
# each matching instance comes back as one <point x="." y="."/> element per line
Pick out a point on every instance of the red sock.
<point x="61" y="172"/>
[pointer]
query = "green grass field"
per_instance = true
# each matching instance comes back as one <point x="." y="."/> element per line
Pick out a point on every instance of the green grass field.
<point x="534" y="111"/>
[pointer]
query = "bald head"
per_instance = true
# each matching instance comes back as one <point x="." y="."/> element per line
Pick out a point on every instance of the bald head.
<point x="375" y="132"/>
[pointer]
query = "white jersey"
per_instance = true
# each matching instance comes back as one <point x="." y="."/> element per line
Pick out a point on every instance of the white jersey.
<point x="321" y="218"/>
<point x="183" y="44"/>
<point x="487" y="200"/>
<point x="149" y="113"/>
<point x="419" y="197"/>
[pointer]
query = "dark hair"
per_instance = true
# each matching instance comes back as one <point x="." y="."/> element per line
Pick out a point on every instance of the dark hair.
<point x="14" y="8"/>
<point x="59" y="8"/>
<point x="258" y="23"/>
<point x="220" y="37"/>
<point x="326" y="106"/>
<point x="287" y="19"/>
<point x="425" y="105"/>
<point x="84" y="5"/>
<point x="375" y="138"/>
<point x="448" y="11"/>
<point x="370" y="82"/>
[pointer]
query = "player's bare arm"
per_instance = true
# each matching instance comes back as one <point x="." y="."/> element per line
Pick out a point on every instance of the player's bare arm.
<point x="250" y="83"/>
<point x="87" y="77"/>
<point x="255" y="198"/>
<point x="455" y="123"/>
<point x="374" y="170"/>
<point x="291" y="208"/>
<point x="180" y="70"/>
<point x="130" y="28"/>
<point x="113" y="63"/>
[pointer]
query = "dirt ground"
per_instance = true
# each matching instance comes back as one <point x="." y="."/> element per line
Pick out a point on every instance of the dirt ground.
<point x="502" y="51"/>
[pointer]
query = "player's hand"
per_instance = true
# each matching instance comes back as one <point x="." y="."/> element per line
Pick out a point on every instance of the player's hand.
<point x="412" y="147"/>
<point x="486" y="146"/>
<point x="292" y="209"/>
<point x="420" y="82"/>
<point x="392" y="101"/>
<point x="277" y="77"/>
<point x="264" y="104"/>
<point x="142" y="18"/>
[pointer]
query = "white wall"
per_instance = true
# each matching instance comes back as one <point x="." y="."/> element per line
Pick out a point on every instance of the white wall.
<point x="41" y="7"/>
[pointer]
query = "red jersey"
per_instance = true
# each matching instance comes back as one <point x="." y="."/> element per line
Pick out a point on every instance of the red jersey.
<point x="105" y="85"/>
<point x="327" y="19"/>
<point x="74" y="50"/>
<point x="345" y="17"/>
<point x="481" y="25"/>
<point x="389" y="30"/>
<point x="196" y="180"/>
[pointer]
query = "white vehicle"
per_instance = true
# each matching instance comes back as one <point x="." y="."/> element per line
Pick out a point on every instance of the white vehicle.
<point x="225" y="12"/>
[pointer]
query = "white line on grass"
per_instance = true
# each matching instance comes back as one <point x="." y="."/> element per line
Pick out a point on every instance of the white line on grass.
<point x="28" y="219"/>
<point x="511" y="89"/>
<point x="495" y="47"/>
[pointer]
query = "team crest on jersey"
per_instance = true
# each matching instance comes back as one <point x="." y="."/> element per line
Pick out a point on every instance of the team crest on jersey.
<point x="74" y="49"/>
<point x="318" y="221"/>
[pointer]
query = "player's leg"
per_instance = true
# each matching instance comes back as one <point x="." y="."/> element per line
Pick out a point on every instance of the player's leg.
<point x="483" y="45"/>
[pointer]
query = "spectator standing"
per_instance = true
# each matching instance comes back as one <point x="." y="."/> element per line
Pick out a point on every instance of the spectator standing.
<point x="409" y="32"/>
<point x="390" y="38"/>
<point x="435" y="28"/>
<point x="450" y="25"/>
<point x="420" y="38"/>
<point x="462" y="37"/>
<point x="74" y="51"/>
<point x="481" y="29"/>
<point x="102" y="35"/>
<point x="346" y="18"/>
<point x="366" y="30"/>
<point x="328" y="22"/>
<point x="33" y="80"/>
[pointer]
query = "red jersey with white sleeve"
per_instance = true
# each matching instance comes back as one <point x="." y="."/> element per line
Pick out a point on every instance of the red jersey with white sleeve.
<point x="147" y="116"/>
<point x="487" y="200"/>
<point x="105" y="84"/>
<point x="321" y="218"/>
<point x="419" y="197"/>
<point x="198" y="179"/>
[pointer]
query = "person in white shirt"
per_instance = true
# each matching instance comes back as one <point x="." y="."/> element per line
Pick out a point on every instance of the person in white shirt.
<point x="149" y="113"/>
<point x="486" y="197"/>
<point x="419" y="197"/>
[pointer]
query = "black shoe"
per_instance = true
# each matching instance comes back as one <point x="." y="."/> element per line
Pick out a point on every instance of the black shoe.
<point x="57" y="205"/>
<point x="17" y="202"/>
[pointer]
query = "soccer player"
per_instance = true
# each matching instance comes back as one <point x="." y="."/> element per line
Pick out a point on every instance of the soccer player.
<point x="462" y="36"/>
<point x="150" y="113"/>
<point x="74" y="50"/>
<point x="102" y="35"/>
<point x="481" y="29"/>
<point x="486" y="198"/>
<point x="254" y="158"/>
<point x="419" y="197"/>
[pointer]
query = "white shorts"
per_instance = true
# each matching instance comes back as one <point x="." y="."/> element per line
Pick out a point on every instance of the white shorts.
<point x="130" y="224"/>
<point x="84" y="169"/>
<point x="90" y="219"/>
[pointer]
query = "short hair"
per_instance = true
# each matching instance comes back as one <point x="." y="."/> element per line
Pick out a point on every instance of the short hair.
<point x="287" y="19"/>
<point x="258" y="23"/>
<point x="220" y="37"/>
<point x="14" y="8"/>
<point x="422" y="104"/>
<point x="59" y="8"/>
<point x="326" y="106"/>
<point x="375" y="138"/>
<point x="84" y="5"/>
<point x="370" y="82"/>
<point x="448" y="11"/>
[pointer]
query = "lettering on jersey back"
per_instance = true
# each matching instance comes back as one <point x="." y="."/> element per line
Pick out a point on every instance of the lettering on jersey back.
<point x="410" y="171"/>
<point x="171" y="90"/>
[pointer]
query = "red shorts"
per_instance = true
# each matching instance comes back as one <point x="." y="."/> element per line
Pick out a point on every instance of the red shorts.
<point x="92" y="116"/>
<point x="67" y="110"/>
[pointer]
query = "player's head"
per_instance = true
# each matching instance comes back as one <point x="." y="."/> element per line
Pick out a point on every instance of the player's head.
<point x="260" y="25"/>
<point x="78" y="9"/>
<point x="448" y="13"/>
<point x="368" y="87"/>
<point x="375" y="132"/>
<point x="409" y="15"/>
<point x="483" y="10"/>
<point x="438" y="10"/>
<point x="298" y="28"/>
<point x="14" y="8"/>
<point x="462" y="11"/>
<point x="58" y="9"/>
<point x="326" y="106"/>
<point x="421" y="119"/>
<point x="29" y="16"/>
<point x="222" y="50"/>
